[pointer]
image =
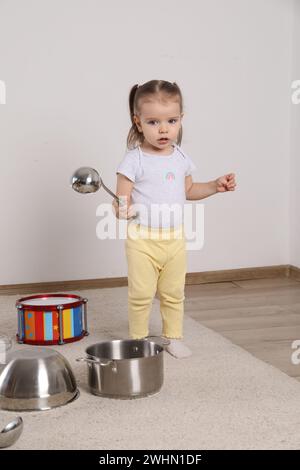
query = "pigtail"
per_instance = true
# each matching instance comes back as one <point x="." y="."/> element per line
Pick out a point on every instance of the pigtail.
<point x="131" y="101"/>
<point x="134" y="134"/>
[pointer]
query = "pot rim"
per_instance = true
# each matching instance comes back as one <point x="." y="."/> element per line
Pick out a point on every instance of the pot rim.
<point x="99" y="358"/>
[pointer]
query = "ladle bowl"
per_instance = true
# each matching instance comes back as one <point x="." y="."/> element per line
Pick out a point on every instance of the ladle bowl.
<point x="87" y="180"/>
<point x="11" y="432"/>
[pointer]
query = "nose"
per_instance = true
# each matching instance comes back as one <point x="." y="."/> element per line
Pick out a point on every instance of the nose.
<point x="163" y="128"/>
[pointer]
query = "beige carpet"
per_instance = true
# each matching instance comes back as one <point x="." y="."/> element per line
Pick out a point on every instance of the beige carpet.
<point x="220" y="398"/>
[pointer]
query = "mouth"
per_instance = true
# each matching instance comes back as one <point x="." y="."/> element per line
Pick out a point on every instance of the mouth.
<point x="163" y="140"/>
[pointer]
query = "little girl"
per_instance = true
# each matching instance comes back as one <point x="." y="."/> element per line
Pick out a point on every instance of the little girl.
<point x="153" y="182"/>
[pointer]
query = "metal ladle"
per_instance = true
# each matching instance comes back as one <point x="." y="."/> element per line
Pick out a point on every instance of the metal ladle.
<point x="11" y="432"/>
<point x="87" y="180"/>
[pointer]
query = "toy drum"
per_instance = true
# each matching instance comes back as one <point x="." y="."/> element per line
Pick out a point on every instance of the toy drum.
<point x="51" y="319"/>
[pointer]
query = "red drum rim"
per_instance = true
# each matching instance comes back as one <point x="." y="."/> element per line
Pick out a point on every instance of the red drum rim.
<point x="38" y="308"/>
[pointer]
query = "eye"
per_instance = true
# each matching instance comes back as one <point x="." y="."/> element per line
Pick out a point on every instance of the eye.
<point x="172" y="121"/>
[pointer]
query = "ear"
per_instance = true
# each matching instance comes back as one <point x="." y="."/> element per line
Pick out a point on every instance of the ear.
<point x="137" y="122"/>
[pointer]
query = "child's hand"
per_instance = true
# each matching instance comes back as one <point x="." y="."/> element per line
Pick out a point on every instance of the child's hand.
<point x="122" y="211"/>
<point x="226" y="183"/>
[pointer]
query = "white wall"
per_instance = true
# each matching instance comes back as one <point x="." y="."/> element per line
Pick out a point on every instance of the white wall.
<point x="68" y="67"/>
<point x="295" y="145"/>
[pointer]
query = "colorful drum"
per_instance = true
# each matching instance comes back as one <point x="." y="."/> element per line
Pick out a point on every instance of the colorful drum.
<point x="51" y="319"/>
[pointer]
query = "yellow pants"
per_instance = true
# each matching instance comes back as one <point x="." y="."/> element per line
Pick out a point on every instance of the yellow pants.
<point x="156" y="262"/>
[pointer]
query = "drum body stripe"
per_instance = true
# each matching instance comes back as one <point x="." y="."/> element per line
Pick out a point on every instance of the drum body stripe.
<point x="71" y="322"/>
<point x="68" y="329"/>
<point x="29" y="325"/>
<point x="77" y="321"/>
<point x="39" y="325"/>
<point x="55" y="325"/>
<point x="48" y="326"/>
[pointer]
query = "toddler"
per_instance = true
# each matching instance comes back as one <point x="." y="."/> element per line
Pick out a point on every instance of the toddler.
<point x="153" y="182"/>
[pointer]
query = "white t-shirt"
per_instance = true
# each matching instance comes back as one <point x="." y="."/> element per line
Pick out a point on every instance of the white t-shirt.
<point x="158" y="193"/>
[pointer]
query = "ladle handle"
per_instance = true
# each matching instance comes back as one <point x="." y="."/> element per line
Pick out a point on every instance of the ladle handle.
<point x="120" y="201"/>
<point x="110" y="192"/>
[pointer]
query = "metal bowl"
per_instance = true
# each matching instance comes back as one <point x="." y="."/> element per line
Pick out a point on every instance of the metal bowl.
<point x="36" y="379"/>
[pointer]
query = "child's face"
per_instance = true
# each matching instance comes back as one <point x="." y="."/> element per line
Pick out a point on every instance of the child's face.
<point x="159" y="120"/>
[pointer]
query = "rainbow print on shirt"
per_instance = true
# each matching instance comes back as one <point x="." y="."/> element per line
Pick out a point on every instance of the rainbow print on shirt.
<point x="170" y="176"/>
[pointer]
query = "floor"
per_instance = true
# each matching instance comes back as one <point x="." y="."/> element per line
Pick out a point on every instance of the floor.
<point x="222" y="397"/>
<point x="262" y="316"/>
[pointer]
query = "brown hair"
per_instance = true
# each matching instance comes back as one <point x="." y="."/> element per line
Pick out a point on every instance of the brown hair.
<point x="137" y="93"/>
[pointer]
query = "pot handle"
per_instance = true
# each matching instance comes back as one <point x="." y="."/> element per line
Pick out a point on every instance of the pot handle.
<point x="93" y="361"/>
<point x="159" y="340"/>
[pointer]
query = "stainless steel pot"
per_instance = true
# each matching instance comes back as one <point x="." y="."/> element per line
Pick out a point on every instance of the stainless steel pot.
<point x="36" y="379"/>
<point x="125" y="368"/>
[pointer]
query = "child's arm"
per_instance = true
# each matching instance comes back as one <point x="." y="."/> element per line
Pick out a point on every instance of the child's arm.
<point x="196" y="191"/>
<point x="124" y="189"/>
